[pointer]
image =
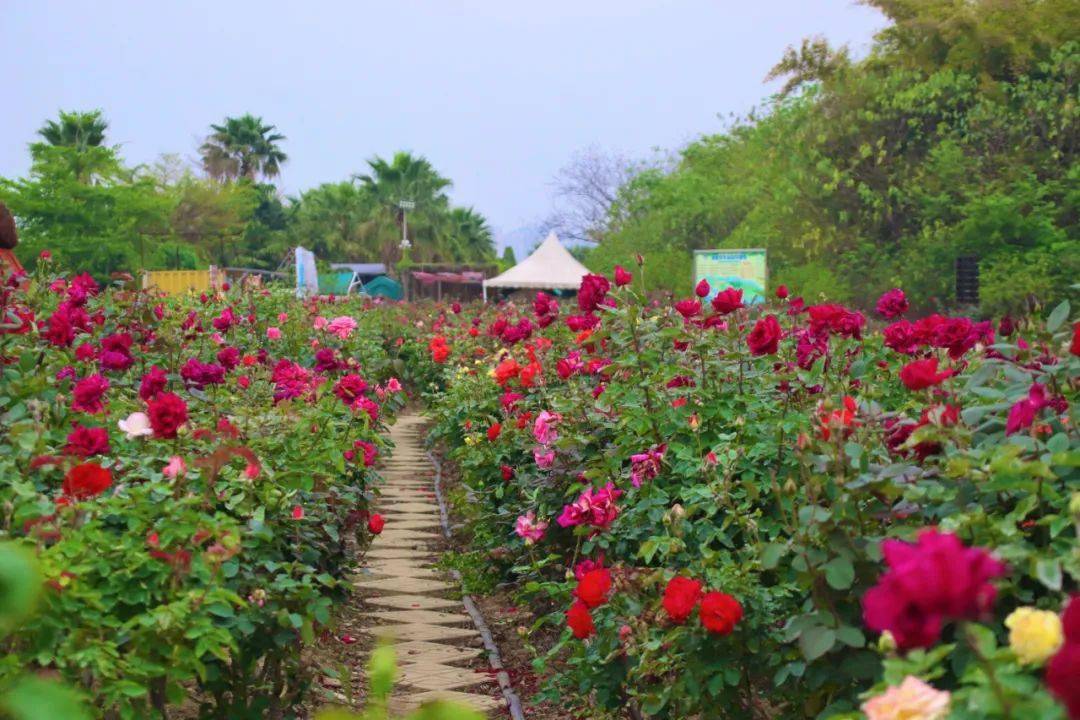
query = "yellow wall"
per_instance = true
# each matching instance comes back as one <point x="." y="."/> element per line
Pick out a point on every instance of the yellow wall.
<point x="178" y="282"/>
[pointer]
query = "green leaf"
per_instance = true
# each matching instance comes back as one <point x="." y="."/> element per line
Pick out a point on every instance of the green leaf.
<point x="20" y="584"/>
<point x="771" y="554"/>
<point x="816" y="641"/>
<point x="1048" y="571"/>
<point x="32" y="698"/>
<point x="839" y="573"/>
<point x="1057" y="316"/>
<point x="443" y="710"/>
<point x="382" y="669"/>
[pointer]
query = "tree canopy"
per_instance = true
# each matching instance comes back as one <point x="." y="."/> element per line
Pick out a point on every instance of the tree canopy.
<point x="957" y="135"/>
<point x="94" y="213"/>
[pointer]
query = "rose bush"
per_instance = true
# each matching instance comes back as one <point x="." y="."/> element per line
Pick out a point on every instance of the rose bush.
<point x="797" y="508"/>
<point x="190" y="481"/>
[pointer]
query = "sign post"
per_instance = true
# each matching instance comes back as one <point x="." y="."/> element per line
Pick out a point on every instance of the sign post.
<point x="745" y="270"/>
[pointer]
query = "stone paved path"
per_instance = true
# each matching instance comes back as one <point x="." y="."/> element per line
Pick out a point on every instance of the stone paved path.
<point x="433" y="635"/>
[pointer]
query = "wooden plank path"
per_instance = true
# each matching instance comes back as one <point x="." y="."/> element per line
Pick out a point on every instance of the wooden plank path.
<point x="436" y="642"/>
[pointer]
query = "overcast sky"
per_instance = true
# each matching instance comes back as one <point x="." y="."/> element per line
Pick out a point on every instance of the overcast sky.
<point x="498" y="94"/>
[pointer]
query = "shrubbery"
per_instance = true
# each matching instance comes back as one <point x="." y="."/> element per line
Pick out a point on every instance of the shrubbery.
<point x="773" y="511"/>
<point x="190" y="472"/>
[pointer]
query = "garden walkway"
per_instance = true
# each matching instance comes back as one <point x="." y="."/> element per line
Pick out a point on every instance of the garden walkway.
<point x="436" y="642"/>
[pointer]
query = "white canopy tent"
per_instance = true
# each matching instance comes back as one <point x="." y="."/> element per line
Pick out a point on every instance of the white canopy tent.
<point x="550" y="267"/>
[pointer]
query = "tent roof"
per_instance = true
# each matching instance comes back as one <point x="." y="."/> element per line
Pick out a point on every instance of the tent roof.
<point x="550" y="266"/>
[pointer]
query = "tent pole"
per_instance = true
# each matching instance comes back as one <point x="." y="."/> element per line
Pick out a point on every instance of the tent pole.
<point x="483" y="288"/>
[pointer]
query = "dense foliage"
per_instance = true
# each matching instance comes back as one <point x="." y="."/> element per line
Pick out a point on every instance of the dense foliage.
<point x="96" y="214"/>
<point x="730" y="510"/>
<point x="958" y="135"/>
<point x="194" y="475"/>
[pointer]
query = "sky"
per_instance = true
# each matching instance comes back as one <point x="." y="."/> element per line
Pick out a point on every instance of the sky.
<point x="497" y="94"/>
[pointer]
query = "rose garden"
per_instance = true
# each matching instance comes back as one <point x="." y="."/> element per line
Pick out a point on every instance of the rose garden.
<point x="708" y="510"/>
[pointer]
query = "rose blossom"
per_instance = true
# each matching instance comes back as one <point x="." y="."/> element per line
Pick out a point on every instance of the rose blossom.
<point x="544" y="427"/>
<point x="342" y="326"/>
<point x="910" y="700"/>
<point x="580" y="621"/>
<point x="594" y="587"/>
<point x="681" y="596"/>
<point x="929" y="582"/>
<point x="87" y="441"/>
<point x="175" y="467"/>
<point x="892" y="304"/>
<point x="137" y="424"/>
<point x="544" y="458"/>
<point x="88" y="393"/>
<point x="529" y="529"/>
<point x="167" y="412"/>
<point x="719" y="613"/>
<point x="764" y="339"/>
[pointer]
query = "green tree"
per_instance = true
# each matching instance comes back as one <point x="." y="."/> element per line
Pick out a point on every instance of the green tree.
<point x="108" y="225"/>
<point x="468" y="235"/>
<point x="407" y="177"/>
<point x="508" y="259"/>
<point x="337" y="220"/>
<point x="78" y="138"/>
<point x="243" y="147"/>
<point x="958" y="135"/>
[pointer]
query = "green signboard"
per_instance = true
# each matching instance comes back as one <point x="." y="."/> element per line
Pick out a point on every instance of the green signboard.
<point x="741" y="269"/>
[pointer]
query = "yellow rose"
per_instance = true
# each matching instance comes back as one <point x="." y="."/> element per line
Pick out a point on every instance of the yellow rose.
<point x="910" y="700"/>
<point x="1034" y="635"/>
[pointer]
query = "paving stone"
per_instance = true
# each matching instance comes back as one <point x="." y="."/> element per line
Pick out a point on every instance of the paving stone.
<point x="431" y="633"/>
<point x="403" y="585"/>
<point x="409" y="602"/>
<point x="408" y="703"/>
<point x="413" y="651"/>
<point x="427" y="675"/>
<point x="420" y="616"/>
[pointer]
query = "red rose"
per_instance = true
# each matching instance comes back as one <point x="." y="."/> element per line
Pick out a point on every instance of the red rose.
<point x="507" y="473"/>
<point x="929" y="582"/>
<point x="720" y="613"/>
<point x="681" y="596"/>
<point x="494" y="431"/>
<point x="580" y="621"/>
<point x="1075" y="347"/>
<point x="702" y="289"/>
<point x="727" y="301"/>
<point x="153" y="382"/>
<point x="592" y="291"/>
<point x="87" y="395"/>
<point x="376" y="523"/>
<point x="622" y="277"/>
<point x="87" y="441"/>
<point x="921" y="374"/>
<point x="764" y="339"/>
<point x="688" y="308"/>
<point x="594" y="586"/>
<point x="87" y="480"/>
<point x="892" y="304"/>
<point x="782" y="292"/>
<point x="1061" y="674"/>
<point x="167" y="413"/>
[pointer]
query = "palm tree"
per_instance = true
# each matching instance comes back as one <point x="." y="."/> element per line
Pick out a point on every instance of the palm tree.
<point x="79" y="130"/>
<point x="408" y="177"/>
<point x="469" y="236"/>
<point x="77" y="142"/>
<point x="243" y="147"/>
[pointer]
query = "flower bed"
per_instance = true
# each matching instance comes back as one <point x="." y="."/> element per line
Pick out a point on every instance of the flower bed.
<point x="190" y="472"/>
<point x="773" y="511"/>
